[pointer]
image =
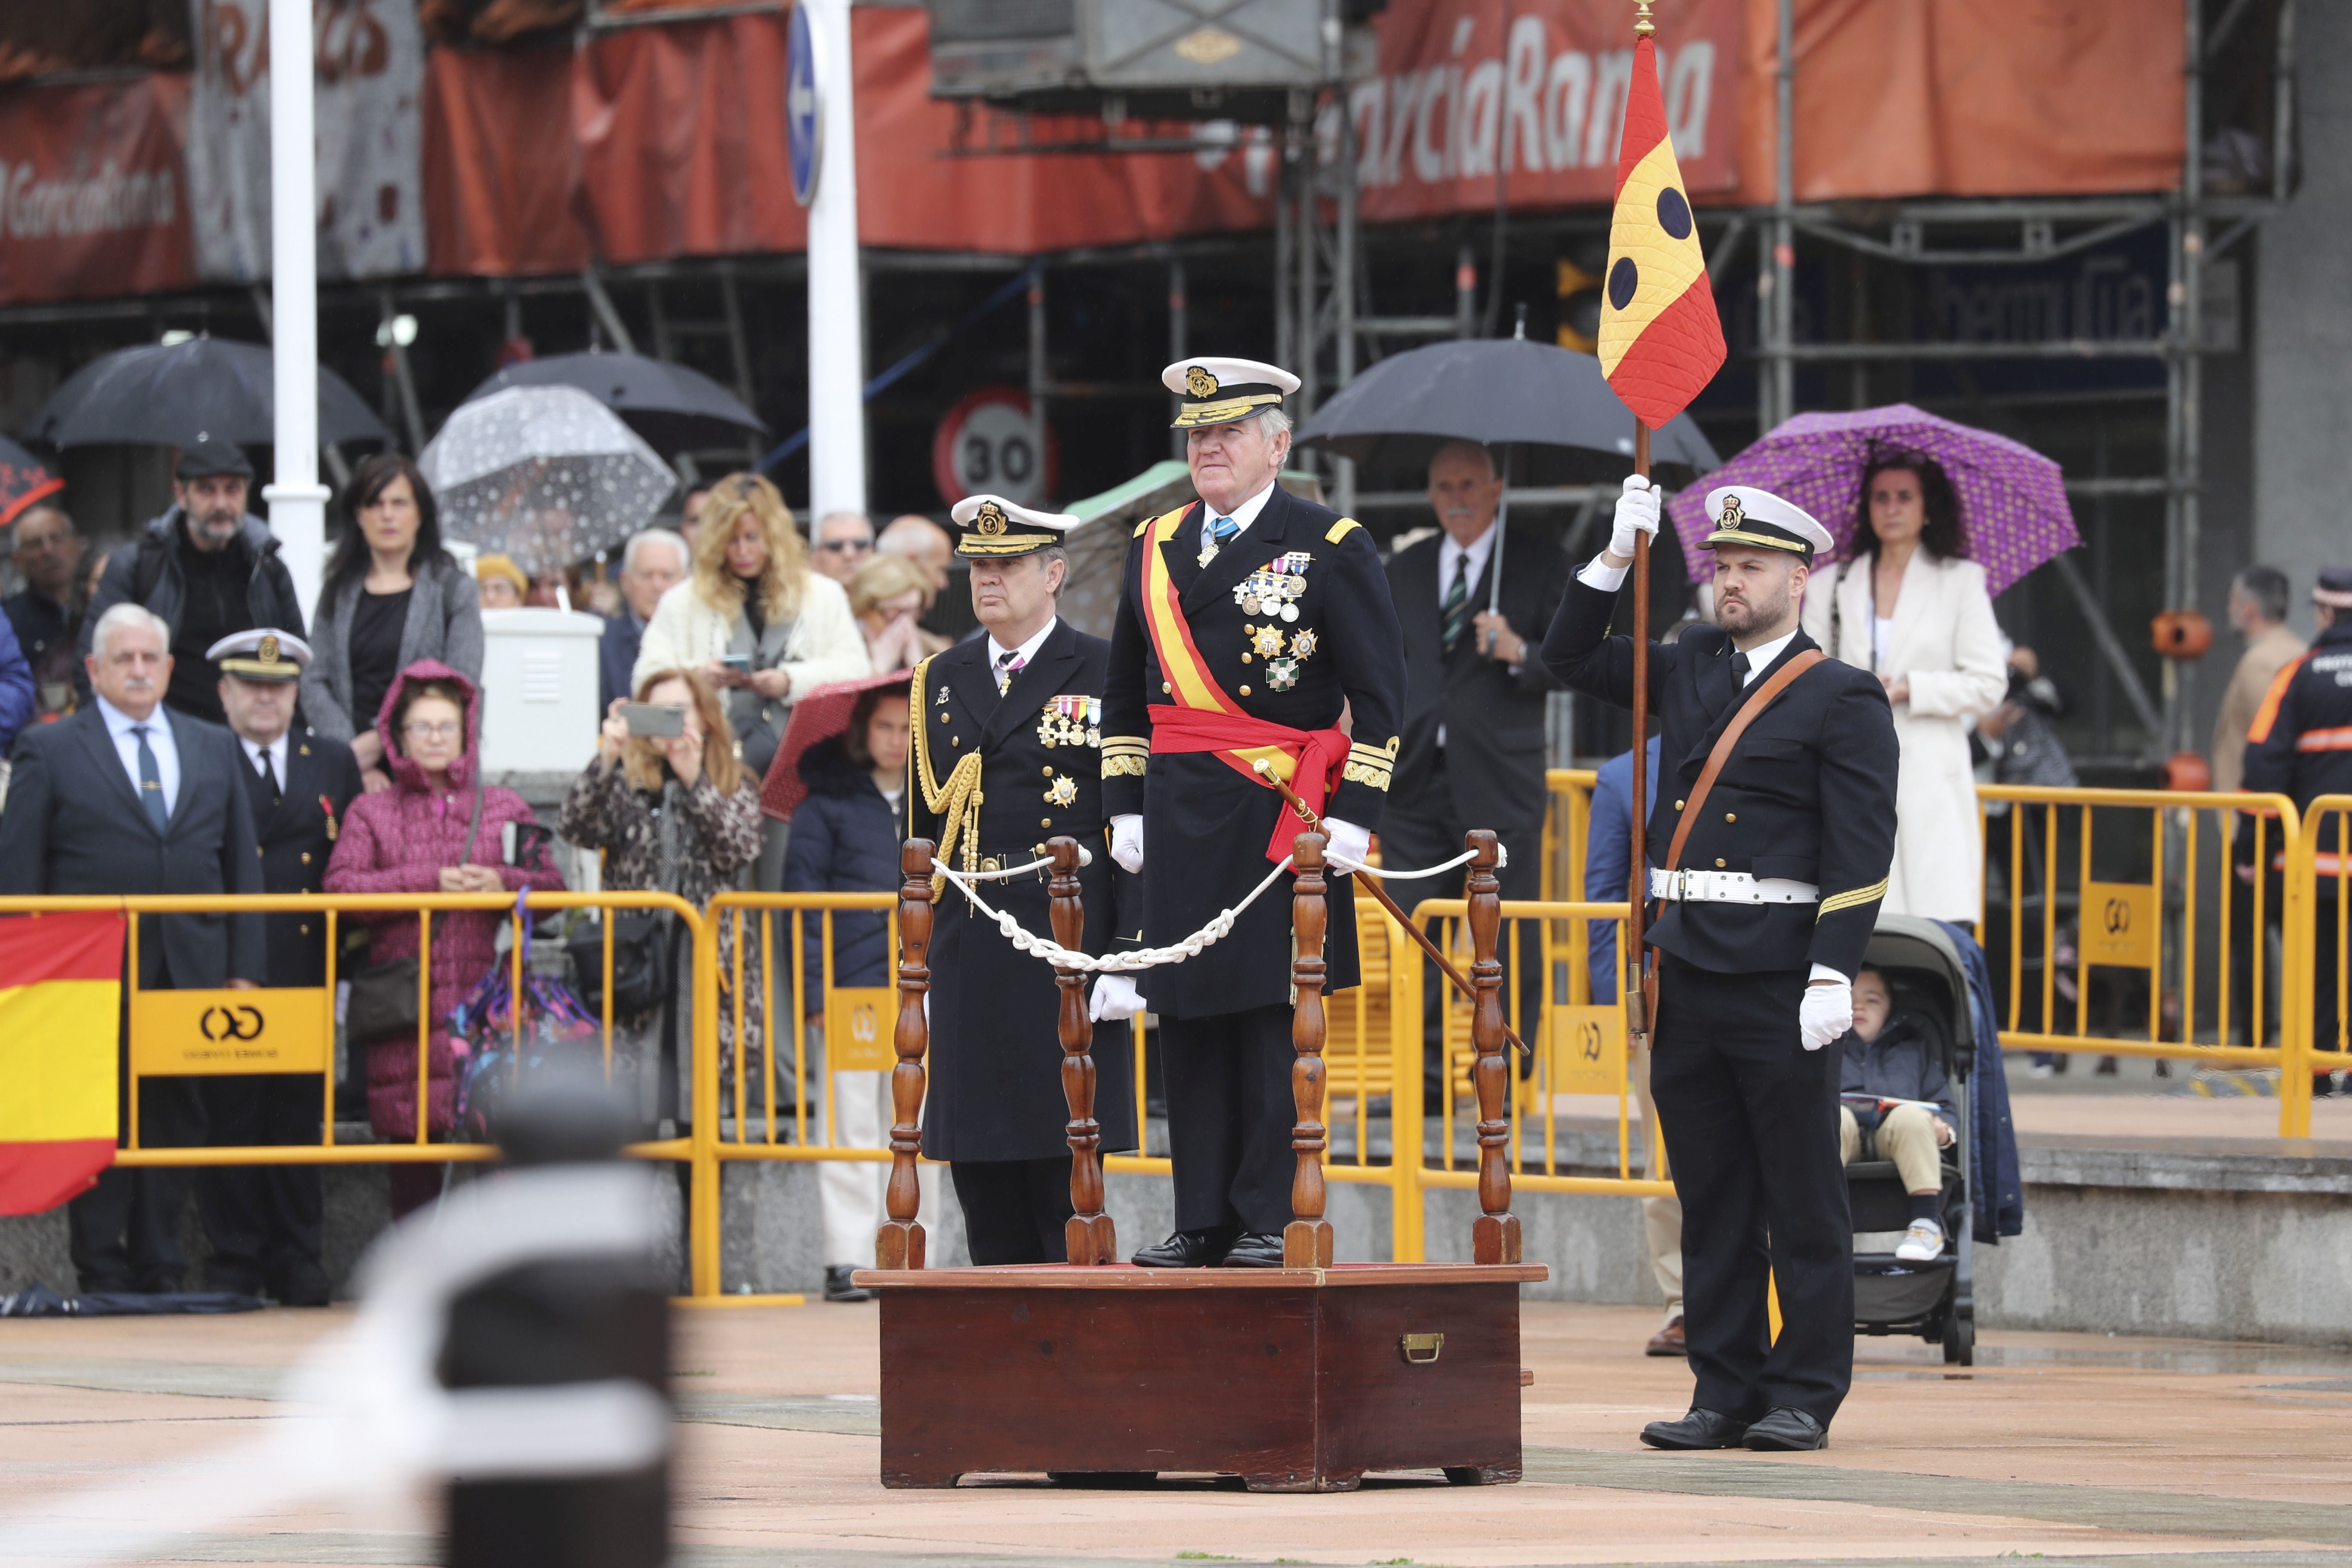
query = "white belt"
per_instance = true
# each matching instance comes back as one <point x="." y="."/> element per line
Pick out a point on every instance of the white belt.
<point x="1730" y="888"/>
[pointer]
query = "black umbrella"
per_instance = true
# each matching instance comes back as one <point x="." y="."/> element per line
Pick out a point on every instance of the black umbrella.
<point x="1501" y="391"/>
<point x="24" y="479"/>
<point x="162" y="395"/>
<point x="1494" y="390"/>
<point x="674" y="407"/>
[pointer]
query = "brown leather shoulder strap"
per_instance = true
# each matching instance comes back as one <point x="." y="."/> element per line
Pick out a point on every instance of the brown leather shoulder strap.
<point x="1758" y="701"/>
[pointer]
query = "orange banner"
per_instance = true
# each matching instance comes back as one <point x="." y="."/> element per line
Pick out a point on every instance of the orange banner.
<point x="1471" y="96"/>
<point x="93" y="189"/>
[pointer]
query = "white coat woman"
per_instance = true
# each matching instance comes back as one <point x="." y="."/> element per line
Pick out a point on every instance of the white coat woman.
<point x="757" y="624"/>
<point x="1910" y="606"/>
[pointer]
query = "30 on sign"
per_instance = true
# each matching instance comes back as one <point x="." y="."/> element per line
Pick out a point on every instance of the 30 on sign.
<point x="990" y="442"/>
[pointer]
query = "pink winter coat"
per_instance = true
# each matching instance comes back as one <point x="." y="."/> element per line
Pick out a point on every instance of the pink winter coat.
<point x="397" y="841"/>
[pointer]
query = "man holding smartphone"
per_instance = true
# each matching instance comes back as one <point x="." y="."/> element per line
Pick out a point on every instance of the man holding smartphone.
<point x="1007" y="754"/>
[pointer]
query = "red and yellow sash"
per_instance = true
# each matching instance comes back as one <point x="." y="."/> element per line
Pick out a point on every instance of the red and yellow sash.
<point x="1204" y="717"/>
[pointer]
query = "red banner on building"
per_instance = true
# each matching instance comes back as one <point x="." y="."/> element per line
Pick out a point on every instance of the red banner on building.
<point x="93" y="189"/>
<point x="1471" y="96"/>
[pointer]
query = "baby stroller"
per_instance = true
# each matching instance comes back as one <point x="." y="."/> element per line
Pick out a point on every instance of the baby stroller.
<point x="1933" y="1300"/>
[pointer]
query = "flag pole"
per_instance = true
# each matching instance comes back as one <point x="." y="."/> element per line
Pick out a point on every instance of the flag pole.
<point x="1637" y="1016"/>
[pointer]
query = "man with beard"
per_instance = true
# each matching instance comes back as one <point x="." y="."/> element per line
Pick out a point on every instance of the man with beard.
<point x="1775" y="853"/>
<point x="207" y="567"/>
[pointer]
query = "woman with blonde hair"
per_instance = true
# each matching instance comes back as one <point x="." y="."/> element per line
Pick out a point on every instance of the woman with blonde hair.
<point x="886" y="596"/>
<point x="753" y="621"/>
<point x="678" y="814"/>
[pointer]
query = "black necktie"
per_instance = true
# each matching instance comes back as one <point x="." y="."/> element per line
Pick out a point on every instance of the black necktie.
<point x="1454" y="617"/>
<point x="268" y="777"/>
<point x="151" y="782"/>
<point x="1740" y="667"/>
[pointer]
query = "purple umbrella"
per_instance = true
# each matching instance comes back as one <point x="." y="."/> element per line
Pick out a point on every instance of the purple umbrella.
<point x="2012" y="498"/>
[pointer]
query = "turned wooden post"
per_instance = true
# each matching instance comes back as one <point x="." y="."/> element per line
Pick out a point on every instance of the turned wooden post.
<point x="1494" y="1234"/>
<point x="1088" y="1236"/>
<point x="1307" y="1239"/>
<point x="899" y="1243"/>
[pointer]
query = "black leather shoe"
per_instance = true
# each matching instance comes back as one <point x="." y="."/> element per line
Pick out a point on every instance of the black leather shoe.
<point x="1185" y="1249"/>
<point x="1787" y="1429"/>
<point x="1699" y="1429"/>
<point x="837" y="1287"/>
<point x="304" y="1284"/>
<point x="1253" y="1249"/>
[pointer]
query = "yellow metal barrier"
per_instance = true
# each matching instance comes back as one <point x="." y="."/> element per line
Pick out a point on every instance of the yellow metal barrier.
<point x="2325" y="879"/>
<point x="171" y="1034"/>
<point x="2044" y="867"/>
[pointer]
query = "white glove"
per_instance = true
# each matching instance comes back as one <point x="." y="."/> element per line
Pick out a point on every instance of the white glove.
<point x="1346" y="839"/>
<point x="1637" y="513"/>
<point x="1826" y="1013"/>
<point x="1127" y="842"/>
<point x="1115" y="997"/>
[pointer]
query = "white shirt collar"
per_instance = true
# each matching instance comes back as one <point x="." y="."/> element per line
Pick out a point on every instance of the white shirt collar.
<point x="1760" y="657"/>
<point x="1027" y="650"/>
<point x="277" y="749"/>
<point x="1448" y="552"/>
<point x="119" y="723"/>
<point x="1245" y="513"/>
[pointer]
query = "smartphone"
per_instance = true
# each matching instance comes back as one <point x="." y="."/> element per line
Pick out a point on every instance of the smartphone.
<point x="654" y="721"/>
<point x="741" y="663"/>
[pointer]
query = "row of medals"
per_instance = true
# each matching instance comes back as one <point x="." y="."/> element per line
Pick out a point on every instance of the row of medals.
<point x="1069" y="722"/>
<point x="1274" y="590"/>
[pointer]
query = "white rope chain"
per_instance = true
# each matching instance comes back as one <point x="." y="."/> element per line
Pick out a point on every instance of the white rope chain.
<point x="1142" y="958"/>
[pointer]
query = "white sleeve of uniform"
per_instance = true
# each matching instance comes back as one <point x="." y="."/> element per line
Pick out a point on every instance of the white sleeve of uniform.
<point x="1598" y="574"/>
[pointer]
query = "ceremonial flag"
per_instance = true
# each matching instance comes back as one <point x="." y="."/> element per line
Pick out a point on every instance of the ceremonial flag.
<point x="1660" y="340"/>
<point x="60" y="1013"/>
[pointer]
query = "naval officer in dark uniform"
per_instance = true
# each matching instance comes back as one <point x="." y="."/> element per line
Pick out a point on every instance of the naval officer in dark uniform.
<point x="1008" y="730"/>
<point x="1247" y="622"/>
<point x="264" y="1221"/>
<point x="1766" y="914"/>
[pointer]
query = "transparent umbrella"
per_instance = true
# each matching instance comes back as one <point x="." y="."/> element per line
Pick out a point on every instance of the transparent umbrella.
<point x="547" y="475"/>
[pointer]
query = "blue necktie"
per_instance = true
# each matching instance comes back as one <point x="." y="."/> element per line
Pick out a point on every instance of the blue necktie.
<point x="1223" y="529"/>
<point x="151" y="782"/>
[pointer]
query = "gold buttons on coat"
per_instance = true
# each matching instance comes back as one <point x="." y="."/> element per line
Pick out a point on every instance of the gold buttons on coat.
<point x="943" y="718"/>
<point x="1165" y="687"/>
<point x="1678" y="805"/>
<point x="1049" y="773"/>
<point x="306" y="856"/>
<point x="1245" y="659"/>
<point x="955" y="740"/>
<point x="305" y="930"/>
<point x="1045" y="822"/>
<point x="1718" y="862"/>
<point x="1246" y="691"/>
<point x="1730" y="817"/>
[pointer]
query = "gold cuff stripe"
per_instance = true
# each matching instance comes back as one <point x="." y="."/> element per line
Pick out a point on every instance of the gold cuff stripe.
<point x="1340" y="530"/>
<point x="1124" y="766"/>
<point x="1362" y="773"/>
<point x="1869" y="895"/>
<point x="1741" y="536"/>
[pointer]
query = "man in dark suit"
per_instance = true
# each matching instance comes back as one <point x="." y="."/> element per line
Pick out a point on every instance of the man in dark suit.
<point x="126" y="796"/>
<point x="264" y="1221"/>
<point x="1770" y="906"/>
<point x="1247" y="621"/>
<point x="1008" y="725"/>
<point x="652" y="562"/>
<point x="1474" y="714"/>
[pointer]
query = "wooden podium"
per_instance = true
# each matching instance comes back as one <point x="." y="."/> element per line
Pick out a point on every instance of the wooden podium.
<point x="1300" y="1378"/>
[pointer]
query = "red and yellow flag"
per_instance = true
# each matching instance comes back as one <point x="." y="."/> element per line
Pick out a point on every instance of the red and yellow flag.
<point x="60" y="1017"/>
<point x="1660" y="341"/>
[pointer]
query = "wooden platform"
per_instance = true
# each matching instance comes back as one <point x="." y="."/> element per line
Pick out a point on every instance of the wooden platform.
<point x="1293" y="1379"/>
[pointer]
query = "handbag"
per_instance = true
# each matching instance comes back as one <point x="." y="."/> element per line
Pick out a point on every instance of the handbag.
<point x="383" y="1003"/>
<point x="496" y="1058"/>
<point x="642" y="966"/>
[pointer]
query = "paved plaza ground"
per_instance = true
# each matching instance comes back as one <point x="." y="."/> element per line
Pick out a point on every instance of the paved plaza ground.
<point x="2054" y="1446"/>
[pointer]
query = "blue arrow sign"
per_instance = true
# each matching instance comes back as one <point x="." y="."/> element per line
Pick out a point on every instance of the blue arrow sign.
<point x="804" y="107"/>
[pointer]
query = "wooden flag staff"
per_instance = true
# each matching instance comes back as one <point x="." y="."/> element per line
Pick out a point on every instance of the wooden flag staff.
<point x="1637" y="895"/>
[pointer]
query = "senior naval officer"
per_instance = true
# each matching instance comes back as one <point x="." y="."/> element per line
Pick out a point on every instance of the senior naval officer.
<point x="1008" y="729"/>
<point x="1247" y="620"/>
<point x="1769" y="903"/>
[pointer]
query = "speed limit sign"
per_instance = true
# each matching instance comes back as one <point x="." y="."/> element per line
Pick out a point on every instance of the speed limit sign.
<point x="989" y="442"/>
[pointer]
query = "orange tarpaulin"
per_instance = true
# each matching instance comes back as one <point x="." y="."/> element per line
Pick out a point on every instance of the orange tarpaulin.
<point x="500" y="164"/>
<point x="94" y="189"/>
<point x="1969" y="98"/>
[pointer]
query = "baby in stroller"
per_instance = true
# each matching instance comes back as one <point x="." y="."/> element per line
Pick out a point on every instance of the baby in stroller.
<point x="1896" y="1105"/>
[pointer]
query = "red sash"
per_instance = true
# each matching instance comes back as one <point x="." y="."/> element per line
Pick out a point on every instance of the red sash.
<point x="1316" y="757"/>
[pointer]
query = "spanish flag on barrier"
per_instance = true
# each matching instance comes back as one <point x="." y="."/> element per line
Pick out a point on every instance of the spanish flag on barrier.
<point x="1660" y="341"/>
<point x="61" y="1013"/>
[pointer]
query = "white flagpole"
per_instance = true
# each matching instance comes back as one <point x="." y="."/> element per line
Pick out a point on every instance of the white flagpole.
<point x="297" y="501"/>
